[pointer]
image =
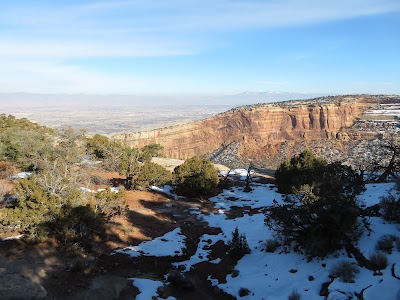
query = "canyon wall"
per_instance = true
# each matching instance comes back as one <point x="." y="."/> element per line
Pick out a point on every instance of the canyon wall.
<point x="259" y="130"/>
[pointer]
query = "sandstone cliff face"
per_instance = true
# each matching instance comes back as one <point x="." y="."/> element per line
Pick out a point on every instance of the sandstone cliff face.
<point x="260" y="131"/>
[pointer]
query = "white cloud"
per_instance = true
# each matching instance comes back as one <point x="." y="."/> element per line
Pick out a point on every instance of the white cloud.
<point x="79" y="49"/>
<point x="140" y="28"/>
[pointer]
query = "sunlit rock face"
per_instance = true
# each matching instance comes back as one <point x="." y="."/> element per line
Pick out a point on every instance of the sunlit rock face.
<point x="262" y="130"/>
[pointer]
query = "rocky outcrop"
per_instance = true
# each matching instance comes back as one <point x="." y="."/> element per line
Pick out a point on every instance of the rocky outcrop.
<point x="260" y="130"/>
<point x="14" y="286"/>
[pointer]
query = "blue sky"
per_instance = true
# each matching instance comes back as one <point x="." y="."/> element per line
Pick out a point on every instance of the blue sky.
<point x="200" y="47"/>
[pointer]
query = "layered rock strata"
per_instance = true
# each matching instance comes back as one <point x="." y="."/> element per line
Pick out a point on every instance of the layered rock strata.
<point x="260" y="130"/>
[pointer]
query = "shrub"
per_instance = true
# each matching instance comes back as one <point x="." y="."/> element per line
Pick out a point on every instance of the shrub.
<point x="238" y="246"/>
<point x="322" y="216"/>
<point x="179" y="280"/>
<point x="98" y="145"/>
<point x="152" y="150"/>
<point x="33" y="207"/>
<point x="151" y="174"/>
<point x="386" y="243"/>
<point x="195" y="177"/>
<point x="244" y="292"/>
<point x="235" y="273"/>
<point x="344" y="270"/>
<point x="294" y="295"/>
<point x="98" y="180"/>
<point x="378" y="261"/>
<point x="271" y="245"/>
<point x="300" y="170"/>
<point x="390" y="207"/>
<point x="313" y="178"/>
<point x="109" y="203"/>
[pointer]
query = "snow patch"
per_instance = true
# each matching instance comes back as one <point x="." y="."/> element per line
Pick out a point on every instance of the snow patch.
<point x="170" y="244"/>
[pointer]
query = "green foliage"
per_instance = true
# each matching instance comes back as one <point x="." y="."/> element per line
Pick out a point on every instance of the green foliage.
<point x="23" y="142"/>
<point x="151" y="174"/>
<point x="98" y="145"/>
<point x="109" y="203"/>
<point x="39" y="213"/>
<point x="238" y="246"/>
<point x="322" y="216"/>
<point x="74" y="224"/>
<point x="21" y="123"/>
<point x="33" y="207"/>
<point x="129" y="163"/>
<point x="300" y="170"/>
<point x="152" y="150"/>
<point x="195" y="177"/>
<point x="345" y="270"/>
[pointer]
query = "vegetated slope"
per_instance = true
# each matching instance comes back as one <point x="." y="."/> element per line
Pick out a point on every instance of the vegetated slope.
<point x="266" y="132"/>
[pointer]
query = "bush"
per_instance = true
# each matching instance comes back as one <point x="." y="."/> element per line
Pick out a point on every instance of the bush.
<point x="322" y="216"/>
<point x="378" y="261"/>
<point x="243" y="292"/>
<point x="238" y="246"/>
<point x="195" y="177"/>
<point x="294" y="295"/>
<point x="99" y="180"/>
<point x="152" y="150"/>
<point x="313" y="178"/>
<point x="301" y="169"/>
<point x="390" y="207"/>
<point x="98" y="145"/>
<point x="179" y="280"/>
<point x="109" y="203"/>
<point x="34" y="206"/>
<point x="151" y="174"/>
<point x="386" y="243"/>
<point x="345" y="270"/>
<point x="235" y="273"/>
<point x="271" y="245"/>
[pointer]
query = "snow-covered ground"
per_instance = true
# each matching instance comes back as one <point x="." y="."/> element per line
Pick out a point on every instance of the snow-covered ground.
<point x="170" y="244"/>
<point x="22" y="175"/>
<point x="87" y="190"/>
<point x="276" y="275"/>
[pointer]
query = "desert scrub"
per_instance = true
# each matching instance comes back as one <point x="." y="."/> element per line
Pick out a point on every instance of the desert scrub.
<point x="271" y="245"/>
<point x="386" y="243"/>
<point x="390" y="208"/>
<point x="378" y="261"/>
<point x="345" y="271"/>
<point x="294" y="295"/>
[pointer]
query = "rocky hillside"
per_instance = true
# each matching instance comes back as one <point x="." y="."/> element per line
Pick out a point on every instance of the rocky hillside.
<point x="273" y="131"/>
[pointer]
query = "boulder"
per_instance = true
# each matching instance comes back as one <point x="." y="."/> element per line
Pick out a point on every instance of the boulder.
<point x="14" y="286"/>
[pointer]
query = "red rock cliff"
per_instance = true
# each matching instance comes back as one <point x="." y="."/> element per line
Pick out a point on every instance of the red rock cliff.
<point x="258" y="129"/>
